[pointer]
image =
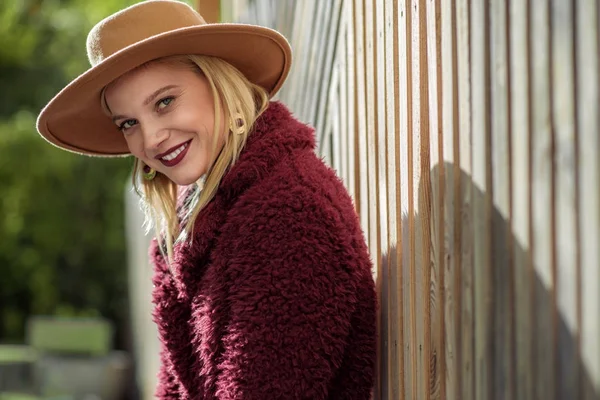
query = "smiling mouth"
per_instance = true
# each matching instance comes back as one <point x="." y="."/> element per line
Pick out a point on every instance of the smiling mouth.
<point x="175" y="155"/>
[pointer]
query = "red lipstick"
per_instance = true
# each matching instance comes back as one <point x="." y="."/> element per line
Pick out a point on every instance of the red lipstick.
<point x="176" y="160"/>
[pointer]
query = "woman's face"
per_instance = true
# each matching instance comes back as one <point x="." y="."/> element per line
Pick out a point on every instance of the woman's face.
<point x="167" y="116"/>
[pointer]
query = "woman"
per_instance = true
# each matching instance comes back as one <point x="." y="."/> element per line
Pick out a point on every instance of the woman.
<point x="262" y="286"/>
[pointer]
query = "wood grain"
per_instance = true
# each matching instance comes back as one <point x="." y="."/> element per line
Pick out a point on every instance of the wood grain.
<point x="481" y="200"/>
<point x="405" y="115"/>
<point x="327" y="62"/>
<point x="351" y="106"/>
<point x="437" y="373"/>
<point x="449" y="251"/>
<point x="464" y="214"/>
<point x="396" y="316"/>
<point x="520" y="177"/>
<point x="361" y="118"/>
<point x="588" y="126"/>
<point x="541" y="204"/>
<point x="342" y="67"/>
<point x="565" y="200"/>
<point x="501" y="218"/>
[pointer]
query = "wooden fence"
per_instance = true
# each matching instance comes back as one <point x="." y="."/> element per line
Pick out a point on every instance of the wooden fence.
<point x="468" y="134"/>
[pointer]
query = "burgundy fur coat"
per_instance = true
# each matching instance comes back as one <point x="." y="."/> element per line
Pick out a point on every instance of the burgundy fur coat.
<point x="274" y="298"/>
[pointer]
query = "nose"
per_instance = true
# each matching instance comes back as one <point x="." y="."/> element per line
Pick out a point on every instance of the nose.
<point x="154" y="135"/>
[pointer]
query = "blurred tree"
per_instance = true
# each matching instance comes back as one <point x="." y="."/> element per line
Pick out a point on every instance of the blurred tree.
<point x="63" y="247"/>
<point x="62" y="244"/>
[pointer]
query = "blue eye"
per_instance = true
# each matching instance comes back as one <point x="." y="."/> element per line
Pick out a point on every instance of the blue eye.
<point x="162" y="103"/>
<point x="127" y="124"/>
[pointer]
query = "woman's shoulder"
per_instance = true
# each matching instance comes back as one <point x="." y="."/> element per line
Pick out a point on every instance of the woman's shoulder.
<point x="301" y="208"/>
<point x="303" y="187"/>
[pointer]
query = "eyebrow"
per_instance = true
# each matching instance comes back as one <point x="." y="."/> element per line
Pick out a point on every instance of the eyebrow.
<point x="149" y="99"/>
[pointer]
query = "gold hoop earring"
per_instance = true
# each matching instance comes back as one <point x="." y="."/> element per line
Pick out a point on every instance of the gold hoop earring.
<point x="148" y="173"/>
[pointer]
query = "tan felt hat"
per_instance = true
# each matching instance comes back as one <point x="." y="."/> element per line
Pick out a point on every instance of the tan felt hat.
<point x="74" y="120"/>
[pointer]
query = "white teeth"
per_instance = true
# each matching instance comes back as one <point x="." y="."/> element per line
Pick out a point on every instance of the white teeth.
<point x="174" y="154"/>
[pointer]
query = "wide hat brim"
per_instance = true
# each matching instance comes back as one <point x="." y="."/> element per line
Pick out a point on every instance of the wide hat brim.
<point x="74" y="120"/>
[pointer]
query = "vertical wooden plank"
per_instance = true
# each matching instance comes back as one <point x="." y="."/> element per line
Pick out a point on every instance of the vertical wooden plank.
<point x="501" y="254"/>
<point x="307" y="34"/>
<point x="290" y="20"/>
<point x="405" y="85"/>
<point x="484" y="320"/>
<point x="436" y="383"/>
<point x="288" y="89"/>
<point x="325" y="147"/>
<point x="382" y="172"/>
<point x="448" y="263"/>
<point x="396" y="315"/>
<point x="320" y="73"/>
<point x="370" y="115"/>
<point x="370" y="175"/>
<point x="351" y="103"/>
<point x="410" y="227"/>
<point x="317" y="87"/>
<point x="541" y="203"/>
<point x="285" y="24"/>
<point x="588" y="125"/>
<point x="341" y="61"/>
<point x="333" y="122"/>
<point x="463" y="189"/>
<point x="565" y="192"/>
<point x="293" y="92"/>
<point x="361" y="118"/>
<point x="423" y="196"/>
<point x="284" y="18"/>
<point x="416" y="216"/>
<point x="328" y="60"/>
<point x="263" y="13"/>
<point x="519" y="59"/>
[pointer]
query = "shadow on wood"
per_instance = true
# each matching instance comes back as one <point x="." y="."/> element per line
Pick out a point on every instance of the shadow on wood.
<point x="571" y="379"/>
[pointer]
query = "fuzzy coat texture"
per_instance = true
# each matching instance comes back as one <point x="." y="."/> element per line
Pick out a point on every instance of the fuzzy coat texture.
<point x="274" y="297"/>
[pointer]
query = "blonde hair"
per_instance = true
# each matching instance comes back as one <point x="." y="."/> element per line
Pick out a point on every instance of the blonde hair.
<point x="241" y="102"/>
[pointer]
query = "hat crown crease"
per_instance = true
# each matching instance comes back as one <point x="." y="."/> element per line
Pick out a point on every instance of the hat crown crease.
<point x="137" y="23"/>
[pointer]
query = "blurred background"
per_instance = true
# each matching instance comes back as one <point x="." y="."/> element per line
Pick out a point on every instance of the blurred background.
<point x="64" y="303"/>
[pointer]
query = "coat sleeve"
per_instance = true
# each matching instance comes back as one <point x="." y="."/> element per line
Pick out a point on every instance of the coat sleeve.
<point x="293" y="297"/>
<point x="167" y="388"/>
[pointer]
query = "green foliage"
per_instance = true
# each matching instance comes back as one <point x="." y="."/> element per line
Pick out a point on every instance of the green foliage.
<point x="42" y="47"/>
<point x="63" y="247"/>
<point x="62" y="244"/>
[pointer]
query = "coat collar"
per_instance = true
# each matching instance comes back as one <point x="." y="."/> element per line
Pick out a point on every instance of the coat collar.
<point x="275" y="136"/>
